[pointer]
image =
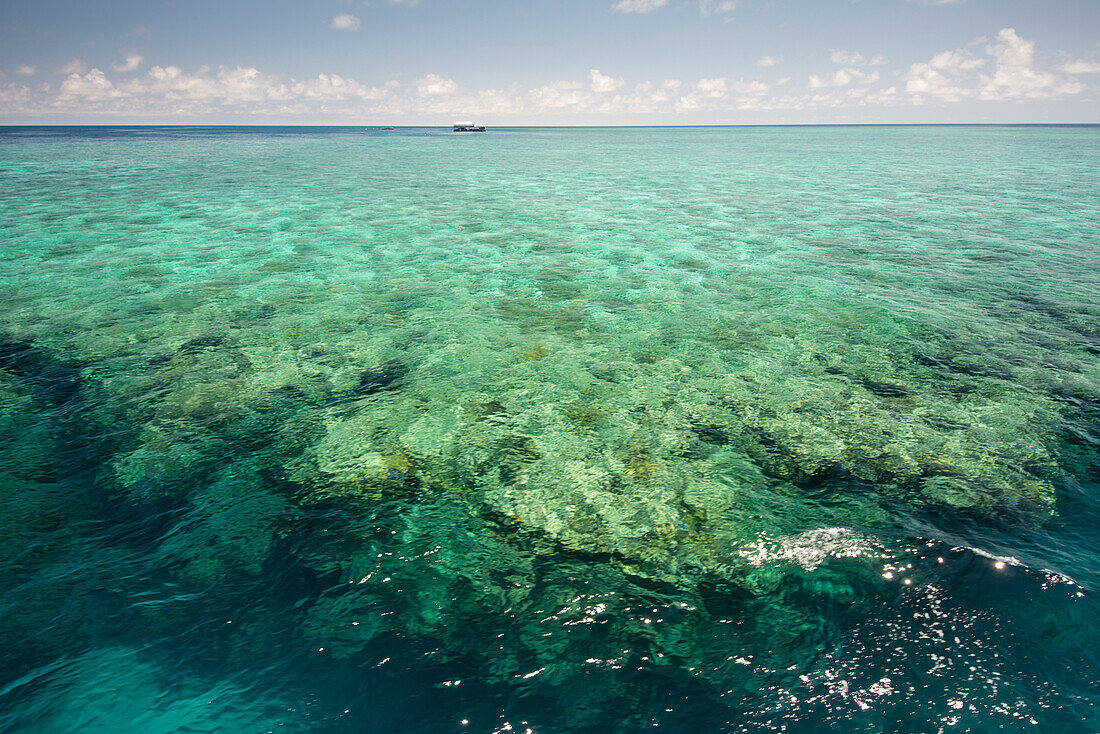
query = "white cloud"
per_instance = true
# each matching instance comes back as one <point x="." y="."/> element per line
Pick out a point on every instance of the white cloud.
<point x="714" y="87"/>
<point x="855" y="58"/>
<point x="15" y="95"/>
<point x="651" y="95"/>
<point x="345" y="22"/>
<point x="25" y="70"/>
<point x="1015" y="75"/>
<point x="638" y="6"/>
<point x="559" y="95"/>
<point x="575" y="98"/>
<point x="336" y="87"/>
<point x="132" y="62"/>
<point x="434" y="85"/>
<point x="716" y="7"/>
<point x="723" y="93"/>
<point x="74" y="66"/>
<point x="767" y="61"/>
<point x="93" y="86"/>
<point x="842" y="78"/>
<point x="951" y="76"/>
<point x="1082" y="66"/>
<point x="941" y="77"/>
<point x="239" y="85"/>
<point x="171" y="90"/>
<point x="601" y="82"/>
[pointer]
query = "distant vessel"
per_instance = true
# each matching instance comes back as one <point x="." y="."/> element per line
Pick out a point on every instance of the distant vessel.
<point x="468" y="127"/>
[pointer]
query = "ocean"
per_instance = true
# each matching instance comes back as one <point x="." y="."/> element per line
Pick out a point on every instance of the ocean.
<point x="607" y="430"/>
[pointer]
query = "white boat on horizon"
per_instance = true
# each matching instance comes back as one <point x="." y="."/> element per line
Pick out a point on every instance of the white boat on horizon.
<point x="468" y="127"/>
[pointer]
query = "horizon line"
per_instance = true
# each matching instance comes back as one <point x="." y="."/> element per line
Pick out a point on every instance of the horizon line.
<point x="558" y="126"/>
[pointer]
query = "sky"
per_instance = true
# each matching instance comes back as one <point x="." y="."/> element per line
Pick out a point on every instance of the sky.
<point x="549" y="62"/>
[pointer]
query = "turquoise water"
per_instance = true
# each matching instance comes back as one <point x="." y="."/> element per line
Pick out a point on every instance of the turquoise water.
<point x="567" y="430"/>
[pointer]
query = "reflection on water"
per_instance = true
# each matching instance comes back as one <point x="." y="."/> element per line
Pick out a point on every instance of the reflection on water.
<point x="559" y="430"/>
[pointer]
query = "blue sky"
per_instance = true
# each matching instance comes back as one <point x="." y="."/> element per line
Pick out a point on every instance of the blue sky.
<point x="550" y="62"/>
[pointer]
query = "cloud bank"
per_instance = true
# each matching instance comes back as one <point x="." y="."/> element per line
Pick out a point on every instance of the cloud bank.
<point x="1004" y="70"/>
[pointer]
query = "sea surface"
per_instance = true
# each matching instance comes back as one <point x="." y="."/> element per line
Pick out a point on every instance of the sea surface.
<point x="550" y="430"/>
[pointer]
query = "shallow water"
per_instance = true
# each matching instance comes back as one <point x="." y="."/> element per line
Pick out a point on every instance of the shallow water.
<point x="568" y="430"/>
